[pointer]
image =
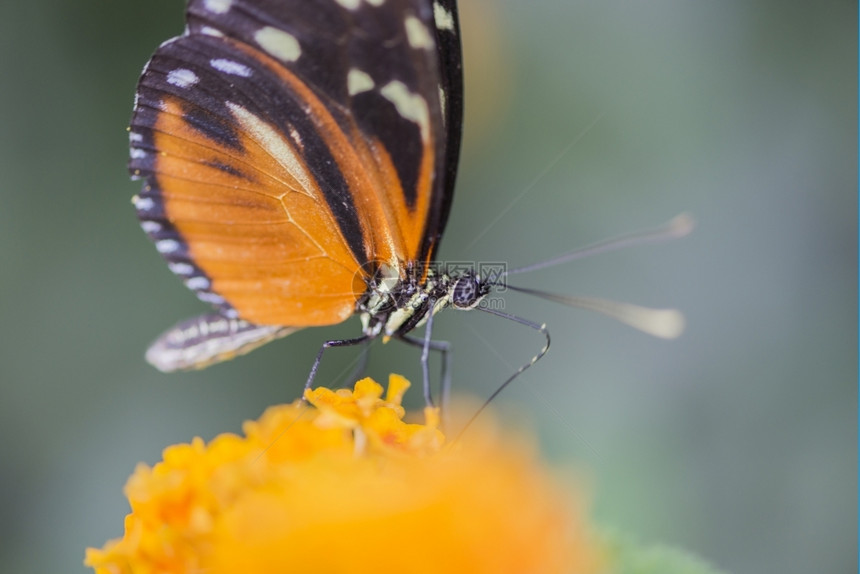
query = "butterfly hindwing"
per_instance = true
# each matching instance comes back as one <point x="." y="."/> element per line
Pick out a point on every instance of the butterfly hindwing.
<point x="210" y="338"/>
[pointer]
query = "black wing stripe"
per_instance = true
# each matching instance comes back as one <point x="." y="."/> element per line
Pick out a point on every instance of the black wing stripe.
<point x="447" y="26"/>
<point x="172" y="246"/>
<point x="397" y="57"/>
<point x="321" y="28"/>
<point x="400" y="137"/>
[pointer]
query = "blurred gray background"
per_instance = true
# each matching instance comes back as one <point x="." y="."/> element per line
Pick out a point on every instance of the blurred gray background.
<point x="737" y="441"/>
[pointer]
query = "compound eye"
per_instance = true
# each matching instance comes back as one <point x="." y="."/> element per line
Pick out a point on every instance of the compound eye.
<point x="465" y="292"/>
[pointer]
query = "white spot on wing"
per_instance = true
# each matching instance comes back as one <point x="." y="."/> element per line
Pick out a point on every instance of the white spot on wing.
<point x="296" y="137"/>
<point x="353" y="4"/>
<point x="231" y="67"/>
<point x="167" y="245"/>
<point x="218" y="6"/>
<point x="274" y="144"/>
<point x="210" y="31"/>
<point x="136" y="153"/>
<point x="358" y="81"/>
<point x="417" y="34"/>
<point x="181" y="268"/>
<point x="143" y="203"/>
<point x="182" y="78"/>
<point x="210" y="298"/>
<point x="198" y="282"/>
<point x="135" y="137"/>
<point x="444" y="19"/>
<point x="278" y="43"/>
<point x="410" y="106"/>
<point x="150" y="226"/>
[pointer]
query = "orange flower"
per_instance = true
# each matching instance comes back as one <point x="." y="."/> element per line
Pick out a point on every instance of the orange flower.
<point x="348" y="486"/>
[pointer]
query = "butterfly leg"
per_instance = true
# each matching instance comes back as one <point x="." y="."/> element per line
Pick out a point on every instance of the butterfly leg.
<point x="446" y="350"/>
<point x="326" y="345"/>
<point x="363" y="358"/>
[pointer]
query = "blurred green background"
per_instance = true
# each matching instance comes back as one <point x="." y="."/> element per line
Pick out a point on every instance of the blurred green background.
<point x="737" y="441"/>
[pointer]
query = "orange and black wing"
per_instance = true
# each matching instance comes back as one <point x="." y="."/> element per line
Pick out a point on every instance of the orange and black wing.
<point x="289" y="146"/>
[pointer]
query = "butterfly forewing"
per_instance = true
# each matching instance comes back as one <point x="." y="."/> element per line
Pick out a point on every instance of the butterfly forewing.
<point x="286" y="144"/>
<point x="382" y="65"/>
<point x="288" y="148"/>
<point x="234" y="195"/>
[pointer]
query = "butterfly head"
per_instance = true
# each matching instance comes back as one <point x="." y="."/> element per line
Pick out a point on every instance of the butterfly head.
<point x="467" y="290"/>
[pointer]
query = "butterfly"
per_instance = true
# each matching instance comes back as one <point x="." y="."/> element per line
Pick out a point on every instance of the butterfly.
<point x="298" y="160"/>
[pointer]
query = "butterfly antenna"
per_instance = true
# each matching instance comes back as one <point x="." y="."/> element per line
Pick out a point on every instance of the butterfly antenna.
<point x="540" y="328"/>
<point x="662" y="323"/>
<point x="679" y="226"/>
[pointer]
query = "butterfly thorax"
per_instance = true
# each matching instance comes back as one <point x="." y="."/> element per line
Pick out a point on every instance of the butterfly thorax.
<point x="394" y="304"/>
